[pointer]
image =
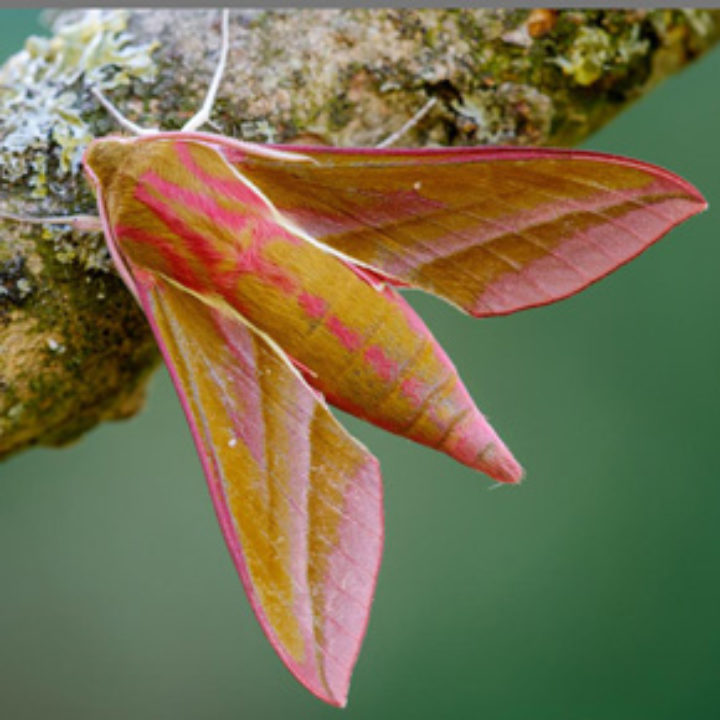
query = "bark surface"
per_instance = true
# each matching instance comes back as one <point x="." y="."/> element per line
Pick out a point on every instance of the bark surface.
<point x="74" y="348"/>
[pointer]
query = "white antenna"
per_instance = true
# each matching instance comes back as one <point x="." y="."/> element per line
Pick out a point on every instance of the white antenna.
<point x="203" y="114"/>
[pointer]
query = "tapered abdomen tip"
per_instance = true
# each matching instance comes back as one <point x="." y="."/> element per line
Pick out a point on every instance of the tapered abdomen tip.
<point x="475" y="443"/>
<point x="498" y="462"/>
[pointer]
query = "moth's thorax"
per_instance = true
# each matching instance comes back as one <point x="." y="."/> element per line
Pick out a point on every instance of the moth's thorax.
<point x="175" y="206"/>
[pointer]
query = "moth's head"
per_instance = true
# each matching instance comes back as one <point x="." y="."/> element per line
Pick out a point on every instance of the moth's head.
<point x="104" y="157"/>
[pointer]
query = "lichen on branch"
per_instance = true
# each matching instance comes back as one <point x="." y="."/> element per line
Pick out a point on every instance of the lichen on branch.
<point x="74" y="348"/>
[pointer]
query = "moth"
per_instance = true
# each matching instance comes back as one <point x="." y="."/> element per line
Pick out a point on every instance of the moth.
<point x="270" y="276"/>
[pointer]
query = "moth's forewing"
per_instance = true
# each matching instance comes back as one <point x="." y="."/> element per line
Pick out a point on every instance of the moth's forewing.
<point x="492" y="230"/>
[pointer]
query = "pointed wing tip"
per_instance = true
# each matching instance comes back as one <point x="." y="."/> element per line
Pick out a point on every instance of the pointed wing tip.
<point x="691" y="202"/>
<point x="701" y="204"/>
<point x="338" y="701"/>
<point x="691" y="192"/>
<point x="330" y="687"/>
<point x="337" y="697"/>
<point x="696" y="202"/>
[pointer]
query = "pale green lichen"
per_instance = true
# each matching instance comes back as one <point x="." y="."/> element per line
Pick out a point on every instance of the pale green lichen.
<point x="588" y="55"/>
<point x="37" y="88"/>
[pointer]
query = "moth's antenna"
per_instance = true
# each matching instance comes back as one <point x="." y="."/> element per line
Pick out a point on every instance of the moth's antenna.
<point x="414" y="120"/>
<point x="203" y="114"/>
<point x="129" y="125"/>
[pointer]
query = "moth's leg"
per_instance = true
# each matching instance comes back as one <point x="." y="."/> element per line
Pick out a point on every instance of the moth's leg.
<point x="81" y="223"/>
<point x="129" y="125"/>
<point x="414" y="120"/>
<point x="203" y="114"/>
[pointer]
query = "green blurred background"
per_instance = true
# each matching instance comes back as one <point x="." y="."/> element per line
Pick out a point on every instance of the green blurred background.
<point x="589" y="593"/>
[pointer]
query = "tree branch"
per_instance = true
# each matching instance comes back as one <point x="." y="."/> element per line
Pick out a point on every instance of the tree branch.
<point x="74" y="348"/>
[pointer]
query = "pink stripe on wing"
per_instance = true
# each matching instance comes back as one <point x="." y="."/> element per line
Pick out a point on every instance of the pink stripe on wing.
<point x="180" y="266"/>
<point x="230" y="186"/>
<point x="196" y="201"/>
